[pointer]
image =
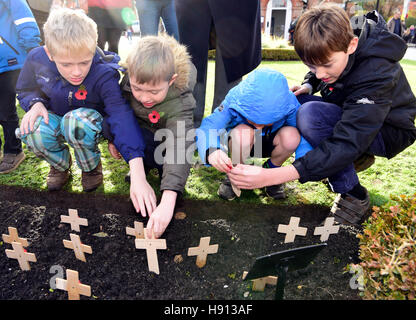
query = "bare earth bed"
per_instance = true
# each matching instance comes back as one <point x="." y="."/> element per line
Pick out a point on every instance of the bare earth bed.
<point x="116" y="270"/>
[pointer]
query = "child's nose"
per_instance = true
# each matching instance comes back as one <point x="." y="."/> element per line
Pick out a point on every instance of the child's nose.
<point x="320" y="73"/>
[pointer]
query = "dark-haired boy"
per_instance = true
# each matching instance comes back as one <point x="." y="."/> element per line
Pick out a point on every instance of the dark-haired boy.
<point x="367" y="107"/>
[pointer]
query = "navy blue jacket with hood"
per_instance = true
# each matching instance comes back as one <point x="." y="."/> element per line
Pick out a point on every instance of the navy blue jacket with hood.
<point x="263" y="98"/>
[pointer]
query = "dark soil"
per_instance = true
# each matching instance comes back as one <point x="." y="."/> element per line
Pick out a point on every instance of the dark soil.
<point x="117" y="270"/>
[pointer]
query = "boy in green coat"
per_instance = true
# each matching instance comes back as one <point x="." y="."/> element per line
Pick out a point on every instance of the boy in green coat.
<point x="158" y="85"/>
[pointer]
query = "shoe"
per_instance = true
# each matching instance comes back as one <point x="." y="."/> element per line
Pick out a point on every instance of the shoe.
<point x="91" y="180"/>
<point x="56" y="179"/>
<point x="225" y="191"/>
<point x="350" y="210"/>
<point x="276" y="191"/>
<point x="11" y="161"/>
<point x="364" y="162"/>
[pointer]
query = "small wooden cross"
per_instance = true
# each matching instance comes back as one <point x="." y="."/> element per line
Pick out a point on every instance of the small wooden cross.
<point x="22" y="257"/>
<point x="14" y="237"/>
<point x="260" y="283"/>
<point x="73" y="286"/>
<point x="137" y="231"/>
<point x="292" y="229"/>
<point x="151" y="245"/>
<point x="327" y="229"/>
<point x="76" y="245"/>
<point x="74" y="220"/>
<point x="202" y="251"/>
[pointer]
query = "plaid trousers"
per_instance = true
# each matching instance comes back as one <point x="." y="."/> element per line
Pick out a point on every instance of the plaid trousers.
<point x="80" y="128"/>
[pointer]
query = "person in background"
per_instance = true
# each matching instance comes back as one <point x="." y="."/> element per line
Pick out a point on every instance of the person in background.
<point x="19" y="34"/>
<point x="150" y="12"/>
<point x="395" y="24"/>
<point x="41" y="8"/>
<point x="112" y="18"/>
<point x="233" y="28"/>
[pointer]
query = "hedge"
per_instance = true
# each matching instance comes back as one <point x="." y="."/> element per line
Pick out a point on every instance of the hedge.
<point x="278" y="54"/>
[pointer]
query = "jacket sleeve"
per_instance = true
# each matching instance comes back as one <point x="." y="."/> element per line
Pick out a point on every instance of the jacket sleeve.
<point x="312" y="80"/>
<point x="27" y="89"/>
<point x="127" y="134"/>
<point x="364" y="112"/>
<point x="27" y="29"/>
<point x="212" y="128"/>
<point x="180" y="146"/>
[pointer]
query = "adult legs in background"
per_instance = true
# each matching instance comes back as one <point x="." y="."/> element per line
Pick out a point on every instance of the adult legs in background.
<point x="150" y="12"/>
<point x="9" y="120"/>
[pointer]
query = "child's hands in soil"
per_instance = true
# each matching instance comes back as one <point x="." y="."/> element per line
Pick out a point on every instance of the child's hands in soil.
<point x="162" y="215"/>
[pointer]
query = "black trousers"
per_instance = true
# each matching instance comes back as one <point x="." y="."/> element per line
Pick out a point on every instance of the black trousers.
<point x="8" y="114"/>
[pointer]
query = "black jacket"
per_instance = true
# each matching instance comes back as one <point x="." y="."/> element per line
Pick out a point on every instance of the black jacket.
<point x="375" y="96"/>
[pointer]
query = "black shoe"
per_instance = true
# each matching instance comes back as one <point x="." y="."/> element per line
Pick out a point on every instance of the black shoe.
<point x="276" y="191"/>
<point x="225" y="191"/>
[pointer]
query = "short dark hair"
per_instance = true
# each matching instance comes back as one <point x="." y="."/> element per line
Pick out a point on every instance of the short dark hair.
<point x="321" y="31"/>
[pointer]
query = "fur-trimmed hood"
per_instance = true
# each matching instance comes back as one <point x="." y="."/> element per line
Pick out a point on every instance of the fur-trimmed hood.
<point x="184" y="68"/>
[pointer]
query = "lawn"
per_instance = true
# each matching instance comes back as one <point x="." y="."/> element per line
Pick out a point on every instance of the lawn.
<point x="385" y="177"/>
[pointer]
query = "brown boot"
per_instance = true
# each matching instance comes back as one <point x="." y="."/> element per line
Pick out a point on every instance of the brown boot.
<point x="93" y="179"/>
<point x="56" y="179"/>
<point x="11" y="161"/>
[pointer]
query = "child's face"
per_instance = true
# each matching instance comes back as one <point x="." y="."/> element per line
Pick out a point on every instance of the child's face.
<point x="331" y="71"/>
<point x="73" y="68"/>
<point x="150" y="94"/>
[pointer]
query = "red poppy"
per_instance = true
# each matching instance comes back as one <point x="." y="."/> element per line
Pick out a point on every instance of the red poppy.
<point x="81" y="94"/>
<point x="154" y="116"/>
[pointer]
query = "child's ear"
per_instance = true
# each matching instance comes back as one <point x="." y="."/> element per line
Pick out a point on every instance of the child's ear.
<point x="48" y="53"/>
<point x="353" y="45"/>
<point x="172" y="80"/>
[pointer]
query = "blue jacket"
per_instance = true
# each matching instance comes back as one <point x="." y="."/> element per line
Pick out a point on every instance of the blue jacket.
<point x="40" y="80"/>
<point x="18" y="34"/>
<point x="263" y="98"/>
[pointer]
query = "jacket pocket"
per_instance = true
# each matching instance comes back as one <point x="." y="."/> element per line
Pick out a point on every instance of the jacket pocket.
<point x="8" y="54"/>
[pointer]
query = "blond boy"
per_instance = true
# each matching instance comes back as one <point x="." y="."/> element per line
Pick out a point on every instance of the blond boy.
<point x="66" y="88"/>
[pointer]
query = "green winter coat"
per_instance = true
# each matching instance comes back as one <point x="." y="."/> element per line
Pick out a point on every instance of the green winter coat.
<point x="176" y="115"/>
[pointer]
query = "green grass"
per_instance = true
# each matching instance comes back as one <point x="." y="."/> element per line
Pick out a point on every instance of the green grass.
<point x="385" y="177"/>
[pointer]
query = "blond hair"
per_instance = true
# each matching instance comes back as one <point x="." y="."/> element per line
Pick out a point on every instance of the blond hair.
<point x="320" y="31"/>
<point x="151" y="60"/>
<point x="68" y="31"/>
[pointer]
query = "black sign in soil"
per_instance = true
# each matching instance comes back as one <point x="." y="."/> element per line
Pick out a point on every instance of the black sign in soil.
<point x="117" y="270"/>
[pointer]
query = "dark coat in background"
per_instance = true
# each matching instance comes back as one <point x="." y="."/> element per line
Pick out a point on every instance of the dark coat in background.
<point x="232" y="27"/>
<point x="237" y="31"/>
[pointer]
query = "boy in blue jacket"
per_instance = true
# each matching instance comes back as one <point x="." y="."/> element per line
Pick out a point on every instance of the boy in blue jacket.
<point x="66" y="88"/>
<point x="19" y="34"/>
<point x="257" y="118"/>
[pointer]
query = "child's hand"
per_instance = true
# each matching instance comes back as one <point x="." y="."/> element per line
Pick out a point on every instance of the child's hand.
<point x="113" y="151"/>
<point x="159" y="220"/>
<point x="248" y="176"/>
<point x="297" y="90"/>
<point x="220" y="161"/>
<point x="142" y="195"/>
<point x="28" y="120"/>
